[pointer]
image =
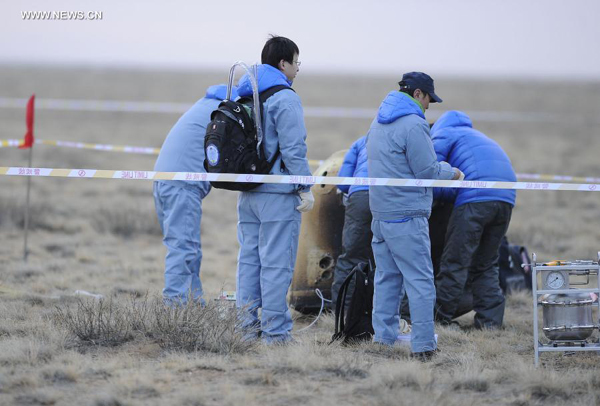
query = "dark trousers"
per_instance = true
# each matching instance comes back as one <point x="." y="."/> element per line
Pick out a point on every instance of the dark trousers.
<point x="470" y="256"/>
<point x="356" y="242"/>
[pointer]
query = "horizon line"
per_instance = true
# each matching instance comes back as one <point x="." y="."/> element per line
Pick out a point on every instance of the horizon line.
<point x="333" y="71"/>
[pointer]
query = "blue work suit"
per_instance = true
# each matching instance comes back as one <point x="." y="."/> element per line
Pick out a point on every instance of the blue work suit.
<point x="268" y="222"/>
<point x="478" y="156"/>
<point x="179" y="203"/>
<point x="478" y="223"/>
<point x="355" y="166"/>
<point x="399" y="146"/>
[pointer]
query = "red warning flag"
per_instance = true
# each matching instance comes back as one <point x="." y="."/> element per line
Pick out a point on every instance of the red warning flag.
<point x="28" y="140"/>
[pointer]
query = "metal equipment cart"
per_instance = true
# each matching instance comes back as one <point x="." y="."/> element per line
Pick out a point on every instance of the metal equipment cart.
<point x="568" y="321"/>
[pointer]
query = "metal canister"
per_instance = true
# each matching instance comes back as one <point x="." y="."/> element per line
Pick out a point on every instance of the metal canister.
<point x="568" y="317"/>
<point x="320" y="241"/>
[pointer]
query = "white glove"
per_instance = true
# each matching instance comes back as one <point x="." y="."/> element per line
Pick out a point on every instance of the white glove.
<point x="458" y="174"/>
<point x="307" y="201"/>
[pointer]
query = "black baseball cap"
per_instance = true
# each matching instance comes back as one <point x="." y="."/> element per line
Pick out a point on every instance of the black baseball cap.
<point x="419" y="80"/>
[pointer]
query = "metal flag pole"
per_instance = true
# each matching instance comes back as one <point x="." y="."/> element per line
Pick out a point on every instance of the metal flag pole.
<point x="28" y="142"/>
<point x="26" y="225"/>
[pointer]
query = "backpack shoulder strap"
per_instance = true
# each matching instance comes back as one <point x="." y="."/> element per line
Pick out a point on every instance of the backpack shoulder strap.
<point x="263" y="96"/>
<point x="340" y="304"/>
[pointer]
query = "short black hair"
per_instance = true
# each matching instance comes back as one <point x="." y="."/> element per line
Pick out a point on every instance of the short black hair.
<point x="278" y="48"/>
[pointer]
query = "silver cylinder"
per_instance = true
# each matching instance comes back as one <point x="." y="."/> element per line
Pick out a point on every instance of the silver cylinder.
<point x="568" y="317"/>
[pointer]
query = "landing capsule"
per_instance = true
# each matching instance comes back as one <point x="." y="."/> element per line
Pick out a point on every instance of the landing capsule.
<point x="320" y="241"/>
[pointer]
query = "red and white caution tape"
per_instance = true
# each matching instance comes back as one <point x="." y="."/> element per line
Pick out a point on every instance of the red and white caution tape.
<point x="10" y="143"/>
<point x="580" y="179"/>
<point x="305" y="180"/>
<point x="314" y="162"/>
<point x="318" y="112"/>
<point x="84" y="145"/>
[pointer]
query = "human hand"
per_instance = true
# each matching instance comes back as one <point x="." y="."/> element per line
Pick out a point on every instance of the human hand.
<point x="307" y="201"/>
<point x="458" y="174"/>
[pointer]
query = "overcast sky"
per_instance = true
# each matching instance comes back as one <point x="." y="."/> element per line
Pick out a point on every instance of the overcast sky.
<point x="508" y="38"/>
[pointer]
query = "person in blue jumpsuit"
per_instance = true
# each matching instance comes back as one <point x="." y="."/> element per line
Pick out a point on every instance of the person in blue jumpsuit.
<point x="399" y="146"/>
<point x="179" y="203"/>
<point x="478" y="222"/>
<point x="269" y="215"/>
<point x="356" y="235"/>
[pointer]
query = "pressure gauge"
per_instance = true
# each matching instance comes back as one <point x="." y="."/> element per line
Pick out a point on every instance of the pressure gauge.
<point x="555" y="280"/>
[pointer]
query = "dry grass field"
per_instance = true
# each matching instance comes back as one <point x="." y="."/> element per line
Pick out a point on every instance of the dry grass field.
<point x="101" y="236"/>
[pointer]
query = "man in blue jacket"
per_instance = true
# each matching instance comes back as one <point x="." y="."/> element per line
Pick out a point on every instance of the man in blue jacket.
<point x="356" y="236"/>
<point x="478" y="221"/>
<point x="399" y="146"/>
<point x="269" y="216"/>
<point x="179" y="203"/>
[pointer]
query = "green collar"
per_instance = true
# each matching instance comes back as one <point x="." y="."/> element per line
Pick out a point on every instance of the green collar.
<point x="416" y="101"/>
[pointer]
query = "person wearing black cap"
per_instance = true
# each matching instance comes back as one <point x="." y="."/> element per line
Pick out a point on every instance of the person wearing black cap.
<point x="419" y="85"/>
<point x="399" y="146"/>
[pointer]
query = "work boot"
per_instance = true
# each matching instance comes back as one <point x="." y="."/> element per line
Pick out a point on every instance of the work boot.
<point x="424" y="356"/>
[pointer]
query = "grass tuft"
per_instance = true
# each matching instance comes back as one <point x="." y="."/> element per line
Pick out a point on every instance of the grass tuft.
<point x="108" y="400"/>
<point x="476" y="385"/>
<point x="192" y="327"/>
<point x="35" y="399"/>
<point x="541" y="391"/>
<point x="59" y="376"/>
<point x="145" y="392"/>
<point x="347" y="373"/>
<point x="104" y="322"/>
<point x="266" y="379"/>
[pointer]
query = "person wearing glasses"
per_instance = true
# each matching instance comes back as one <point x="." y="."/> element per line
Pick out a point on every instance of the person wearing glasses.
<point x="399" y="146"/>
<point x="269" y="216"/>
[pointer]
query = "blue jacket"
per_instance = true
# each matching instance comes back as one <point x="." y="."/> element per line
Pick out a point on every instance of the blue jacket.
<point x="283" y="127"/>
<point x="399" y="146"/>
<point x="355" y="165"/>
<point x="479" y="157"/>
<point x="183" y="149"/>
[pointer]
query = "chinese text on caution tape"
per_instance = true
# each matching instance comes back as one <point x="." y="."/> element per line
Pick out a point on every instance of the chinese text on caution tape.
<point x="305" y="180"/>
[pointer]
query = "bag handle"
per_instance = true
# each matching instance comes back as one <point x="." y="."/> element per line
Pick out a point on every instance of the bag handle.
<point x="340" y="311"/>
<point x="252" y="74"/>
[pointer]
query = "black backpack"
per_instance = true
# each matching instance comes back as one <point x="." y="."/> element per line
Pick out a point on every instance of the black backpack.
<point x="231" y="143"/>
<point x="357" y="324"/>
